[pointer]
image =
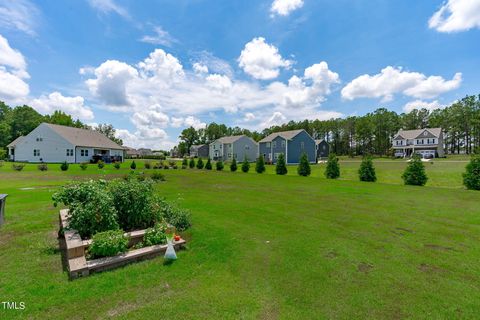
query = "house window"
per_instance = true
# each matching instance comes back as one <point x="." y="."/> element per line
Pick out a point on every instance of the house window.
<point x="302" y="145"/>
<point x="247" y="147"/>
<point x="276" y="156"/>
<point x="433" y="141"/>
<point x="69" y="152"/>
<point x="274" y="144"/>
<point x="268" y="144"/>
<point x="283" y="143"/>
<point x="36" y="152"/>
<point x="39" y="139"/>
<point x="84" y="152"/>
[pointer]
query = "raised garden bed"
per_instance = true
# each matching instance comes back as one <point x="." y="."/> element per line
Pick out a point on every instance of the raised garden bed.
<point x="75" y="251"/>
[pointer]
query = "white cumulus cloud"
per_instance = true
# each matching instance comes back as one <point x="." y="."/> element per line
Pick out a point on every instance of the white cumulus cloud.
<point x="284" y="7"/>
<point x="456" y="16"/>
<point x="73" y="106"/>
<point x="13" y="72"/>
<point x="420" y="104"/>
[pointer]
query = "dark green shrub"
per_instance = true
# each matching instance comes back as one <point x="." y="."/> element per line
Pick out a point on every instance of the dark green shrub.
<point x="157" y="176"/>
<point x="3" y="154"/>
<point x="83" y="166"/>
<point x="233" y="165"/>
<point x="64" y="166"/>
<point x="175" y="216"/>
<point x="471" y="178"/>
<point x="158" y="165"/>
<point x="303" y="168"/>
<point x="200" y="163"/>
<point x="281" y="166"/>
<point x="245" y="165"/>
<point x="117" y="165"/>
<point x="415" y="173"/>
<point x="260" y="165"/>
<point x="18" y="166"/>
<point x="208" y="165"/>
<point x="165" y="167"/>
<point x="155" y="235"/>
<point x="184" y="166"/>
<point x="191" y="164"/>
<point x="147" y="165"/>
<point x="367" y="170"/>
<point x="172" y="163"/>
<point x="108" y="243"/>
<point x="100" y="164"/>
<point x="219" y="165"/>
<point x="332" y="171"/>
<point x="184" y="162"/>
<point x="42" y="167"/>
<point x="133" y="165"/>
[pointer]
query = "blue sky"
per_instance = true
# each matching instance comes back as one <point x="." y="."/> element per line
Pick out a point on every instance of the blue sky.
<point x="152" y="68"/>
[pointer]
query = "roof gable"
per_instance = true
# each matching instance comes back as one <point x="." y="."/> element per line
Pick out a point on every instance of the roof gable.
<point x="15" y="142"/>
<point x="413" y="134"/>
<point x="288" y="135"/>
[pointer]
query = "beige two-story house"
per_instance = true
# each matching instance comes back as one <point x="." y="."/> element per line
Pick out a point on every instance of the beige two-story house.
<point x="428" y="143"/>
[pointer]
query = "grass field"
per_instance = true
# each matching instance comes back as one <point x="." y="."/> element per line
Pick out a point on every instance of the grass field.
<point x="263" y="247"/>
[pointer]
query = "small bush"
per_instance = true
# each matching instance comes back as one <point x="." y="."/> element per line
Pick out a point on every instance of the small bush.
<point x="64" y="166"/>
<point x="147" y="165"/>
<point x="219" y="165"/>
<point x="166" y="167"/>
<point x="184" y="166"/>
<point x="184" y="162"/>
<point x="245" y="165"/>
<point x="133" y="165"/>
<point x="175" y="167"/>
<point x="471" y="178"/>
<point x="155" y="235"/>
<point x="3" y="154"/>
<point x="18" y="166"/>
<point x="83" y="166"/>
<point x="332" y="171"/>
<point x="281" y="166"/>
<point x="100" y="164"/>
<point x="191" y="164"/>
<point x="415" y="174"/>
<point x="367" y="170"/>
<point x="208" y="165"/>
<point x="200" y="163"/>
<point x="233" y="165"/>
<point x="108" y="243"/>
<point x="42" y="167"/>
<point x="260" y="165"/>
<point x="158" y="165"/>
<point x="175" y="216"/>
<point x="304" y="166"/>
<point x="117" y="165"/>
<point x="172" y="163"/>
<point x="157" y="176"/>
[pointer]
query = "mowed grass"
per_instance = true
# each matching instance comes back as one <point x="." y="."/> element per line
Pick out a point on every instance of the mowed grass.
<point x="262" y="247"/>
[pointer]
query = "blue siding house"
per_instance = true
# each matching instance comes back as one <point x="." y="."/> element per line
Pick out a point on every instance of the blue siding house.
<point x="291" y="143"/>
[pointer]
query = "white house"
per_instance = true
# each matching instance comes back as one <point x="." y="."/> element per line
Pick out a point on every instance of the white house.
<point x="55" y="143"/>
<point x="426" y="142"/>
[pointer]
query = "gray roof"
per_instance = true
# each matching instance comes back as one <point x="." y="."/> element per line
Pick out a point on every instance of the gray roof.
<point x="412" y="134"/>
<point x="288" y="135"/>
<point x="84" y="137"/>
<point x="230" y="139"/>
<point x="15" y="142"/>
<point x="197" y="146"/>
<point x="318" y="141"/>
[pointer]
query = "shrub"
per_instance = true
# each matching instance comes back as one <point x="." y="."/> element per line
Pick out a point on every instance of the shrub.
<point x="191" y="164"/>
<point x="100" y="164"/>
<point x="219" y="165"/>
<point x="367" y="170"/>
<point x="83" y="166"/>
<point x="260" y="165"/>
<point x="166" y="167"/>
<point x="18" y="166"/>
<point x="415" y="174"/>
<point x="108" y="243"/>
<point x="155" y="235"/>
<point x="245" y="165"/>
<point x="172" y="163"/>
<point x="157" y="176"/>
<point x="133" y="165"/>
<point x="42" y="167"/>
<point x="281" y="167"/>
<point x="147" y="165"/>
<point x="3" y="154"/>
<point x="175" y="216"/>
<point x="184" y="162"/>
<point x="200" y="163"/>
<point x="184" y="166"/>
<point x="304" y="166"/>
<point x="332" y="171"/>
<point x="233" y="165"/>
<point x="158" y="165"/>
<point x="64" y="166"/>
<point x="471" y="178"/>
<point x="208" y="165"/>
<point x="117" y="165"/>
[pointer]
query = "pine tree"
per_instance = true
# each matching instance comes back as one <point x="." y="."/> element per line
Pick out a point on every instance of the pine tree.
<point x="332" y="171"/>
<point x="260" y="165"/>
<point x="64" y="166"/>
<point x="133" y="165"/>
<point x="304" y="166"/>
<point x="219" y="165"/>
<point x="185" y="162"/>
<point x="471" y="178"/>
<point x="191" y="164"/>
<point x="233" y="165"/>
<point x="281" y="167"/>
<point x="200" y="163"/>
<point x="208" y="165"/>
<point x="415" y="172"/>
<point x="245" y="165"/>
<point x="367" y="170"/>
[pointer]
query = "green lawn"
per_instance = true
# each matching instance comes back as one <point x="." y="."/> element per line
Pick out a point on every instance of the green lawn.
<point x="263" y="247"/>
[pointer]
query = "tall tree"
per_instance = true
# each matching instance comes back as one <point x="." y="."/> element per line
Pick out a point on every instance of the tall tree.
<point x="109" y="131"/>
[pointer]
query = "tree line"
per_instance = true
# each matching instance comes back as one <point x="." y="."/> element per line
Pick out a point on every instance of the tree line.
<point x="371" y="133"/>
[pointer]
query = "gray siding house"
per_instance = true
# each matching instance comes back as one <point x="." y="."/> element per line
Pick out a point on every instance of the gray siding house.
<point x="234" y="147"/>
<point x="323" y="148"/>
<point x="428" y="143"/>
<point x="291" y="143"/>
<point x="199" y="151"/>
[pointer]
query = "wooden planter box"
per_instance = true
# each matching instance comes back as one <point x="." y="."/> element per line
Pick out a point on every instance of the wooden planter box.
<point x="79" y="266"/>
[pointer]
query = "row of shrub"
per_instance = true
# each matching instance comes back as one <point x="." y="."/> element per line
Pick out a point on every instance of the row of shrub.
<point x="128" y="204"/>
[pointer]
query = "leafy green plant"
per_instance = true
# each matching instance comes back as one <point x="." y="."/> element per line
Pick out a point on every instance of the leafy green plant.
<point x="219" y="165"/>
<point x="133" y="165"/>
<point x="415" y="173"/>
<point x="332" y="171"/>
<point x="281" y="166"/>
<point x="191" y="164"/>
<point x="64" y="166"/>
<point x="158" y="165"/>
<point x="117" y="165"/>
<point x="18" y="166"/>
<point x="147" y="165"/>
<point x="208" y="165"/>
<point x="3" y="155"/>
<point x="184" y="162"/>
<point x="200" y="163"/>
<point x="100" y="164"/>
<point x="157" y="176"/>
<point x="233" y="165"/>
<point x="366" y="171"/>
<point x="173" y="215"/>
<point x="108" y="243"/>
<point x="42" y="167"/>
<point x="83" y="166"/>
<point x="245" y="165"/>
<point x="260" y="165"/>
<point x="155" y="235"/>
<point x="471" y="177"/>
<point x="303" y="168"/>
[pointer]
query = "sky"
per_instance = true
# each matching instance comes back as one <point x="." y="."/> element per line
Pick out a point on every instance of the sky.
<point x="152" y="68"/>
